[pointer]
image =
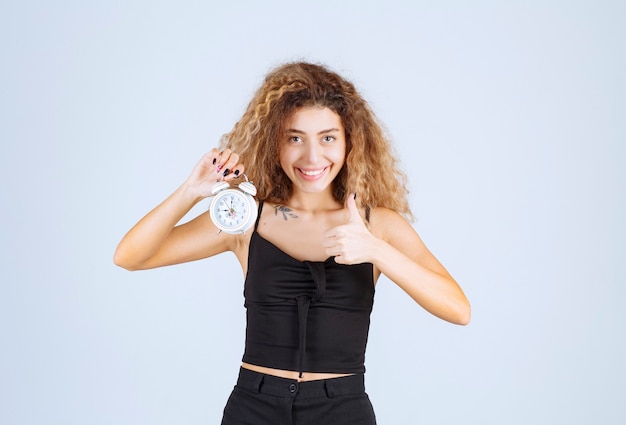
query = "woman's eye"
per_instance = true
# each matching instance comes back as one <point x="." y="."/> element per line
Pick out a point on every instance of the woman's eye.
<point x="328" y="139"/>
<point x="295" y="139"/>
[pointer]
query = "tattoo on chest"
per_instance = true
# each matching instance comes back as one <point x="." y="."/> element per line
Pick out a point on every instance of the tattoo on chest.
<point x="286" y="211"/>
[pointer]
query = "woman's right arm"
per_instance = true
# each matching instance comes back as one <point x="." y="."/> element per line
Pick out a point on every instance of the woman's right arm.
<point x="157" y="241"/>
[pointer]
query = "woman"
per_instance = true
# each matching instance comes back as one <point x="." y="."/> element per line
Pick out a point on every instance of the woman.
<point x="332" y="216"/>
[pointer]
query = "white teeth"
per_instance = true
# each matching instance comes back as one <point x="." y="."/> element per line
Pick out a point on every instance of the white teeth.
<point x="312" y="172"/>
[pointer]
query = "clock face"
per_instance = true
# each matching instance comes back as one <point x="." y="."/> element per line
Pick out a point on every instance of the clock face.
<point x="233" y="211"/>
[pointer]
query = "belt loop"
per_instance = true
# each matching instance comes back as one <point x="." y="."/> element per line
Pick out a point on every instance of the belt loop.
<point x="259" y="382"/>
<point x="329" y="389"/>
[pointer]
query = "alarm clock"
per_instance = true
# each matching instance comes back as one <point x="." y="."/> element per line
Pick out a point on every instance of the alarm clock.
<point x="233" y="209"/>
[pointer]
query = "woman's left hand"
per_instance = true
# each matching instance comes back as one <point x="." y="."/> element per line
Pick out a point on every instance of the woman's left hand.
<point x="350" y="243"/>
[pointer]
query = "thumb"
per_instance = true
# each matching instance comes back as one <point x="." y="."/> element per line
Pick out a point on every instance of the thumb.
<point x="353" y="210"/>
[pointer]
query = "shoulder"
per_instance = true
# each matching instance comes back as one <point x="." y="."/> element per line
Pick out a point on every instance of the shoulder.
<point x="389" y="225"/>
<point x="384" y="219"/>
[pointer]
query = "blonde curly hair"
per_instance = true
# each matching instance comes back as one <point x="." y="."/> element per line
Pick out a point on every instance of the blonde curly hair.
<point x="371" y="170"/>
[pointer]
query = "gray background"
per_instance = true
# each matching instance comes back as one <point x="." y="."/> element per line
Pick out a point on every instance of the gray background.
<point x="508" y="118"/>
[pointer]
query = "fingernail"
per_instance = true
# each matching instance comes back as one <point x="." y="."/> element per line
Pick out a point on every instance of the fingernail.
<point x="214" y="161"/>
<point x="236" y="172"/>
<point x="226" y="171"/>
<point x="354" y="195"/>
<point x="219" y="167"/>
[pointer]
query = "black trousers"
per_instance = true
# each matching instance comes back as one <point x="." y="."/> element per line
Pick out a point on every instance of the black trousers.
<point x="260" y="399"/>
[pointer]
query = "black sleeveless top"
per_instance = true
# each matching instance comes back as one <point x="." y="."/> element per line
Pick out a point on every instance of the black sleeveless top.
<point x="308" y="316"/>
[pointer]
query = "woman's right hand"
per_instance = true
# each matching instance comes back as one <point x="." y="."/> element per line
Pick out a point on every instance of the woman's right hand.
<point x="213" y="167"/>
<point x="156" y="240"/>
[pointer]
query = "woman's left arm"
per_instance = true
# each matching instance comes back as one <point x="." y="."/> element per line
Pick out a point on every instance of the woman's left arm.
<point x="398" y="252"/>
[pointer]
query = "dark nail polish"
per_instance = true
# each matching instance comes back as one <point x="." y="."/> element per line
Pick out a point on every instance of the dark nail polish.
<point x="354" y="195"/>
<point x="236" y="172"/>
<point x="214" y="161"/>
<point x="226" y="171"/>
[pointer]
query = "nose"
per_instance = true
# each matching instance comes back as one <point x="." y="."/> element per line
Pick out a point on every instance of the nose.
<point x="313" y="152"/>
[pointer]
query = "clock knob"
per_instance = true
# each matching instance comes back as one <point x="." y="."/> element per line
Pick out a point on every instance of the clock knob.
<point x="247" y="187"/>
<point x="219" y="186"/>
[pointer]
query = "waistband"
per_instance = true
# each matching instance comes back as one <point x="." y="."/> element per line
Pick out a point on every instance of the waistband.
<point x="284" y="387"/>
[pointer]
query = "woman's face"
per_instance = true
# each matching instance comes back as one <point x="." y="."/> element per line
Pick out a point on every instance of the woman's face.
<point x="313" y="149"/>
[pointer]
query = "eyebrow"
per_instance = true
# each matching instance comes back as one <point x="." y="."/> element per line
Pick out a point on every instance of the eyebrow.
<point x="296" y="131"/>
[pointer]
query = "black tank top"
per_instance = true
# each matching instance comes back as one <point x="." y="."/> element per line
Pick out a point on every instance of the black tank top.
<point x="308" y="316"/>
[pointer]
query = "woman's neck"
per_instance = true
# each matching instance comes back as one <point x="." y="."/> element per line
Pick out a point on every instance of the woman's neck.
<point x="313" y="202"/>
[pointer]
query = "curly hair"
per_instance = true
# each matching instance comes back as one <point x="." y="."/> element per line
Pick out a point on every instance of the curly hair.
<point x="371" y="170"/>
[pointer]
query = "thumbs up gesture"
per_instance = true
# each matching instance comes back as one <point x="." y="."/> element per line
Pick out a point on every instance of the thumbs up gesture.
<point x="350" y="243"/>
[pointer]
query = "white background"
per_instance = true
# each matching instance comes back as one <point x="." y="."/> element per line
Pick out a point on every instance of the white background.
<point x="508" y="118"/>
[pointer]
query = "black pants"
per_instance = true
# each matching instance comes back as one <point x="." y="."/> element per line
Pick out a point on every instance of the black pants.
<point x="260" y="399"/>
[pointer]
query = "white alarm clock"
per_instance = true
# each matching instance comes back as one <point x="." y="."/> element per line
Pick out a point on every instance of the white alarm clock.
<point x="233" y="209"/>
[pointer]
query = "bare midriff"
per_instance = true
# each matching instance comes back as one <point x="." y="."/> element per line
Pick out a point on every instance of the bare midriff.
<point x="292" y="374"/>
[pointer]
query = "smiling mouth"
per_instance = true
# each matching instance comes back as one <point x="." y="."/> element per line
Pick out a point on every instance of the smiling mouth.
<point x="312" y="173"/>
